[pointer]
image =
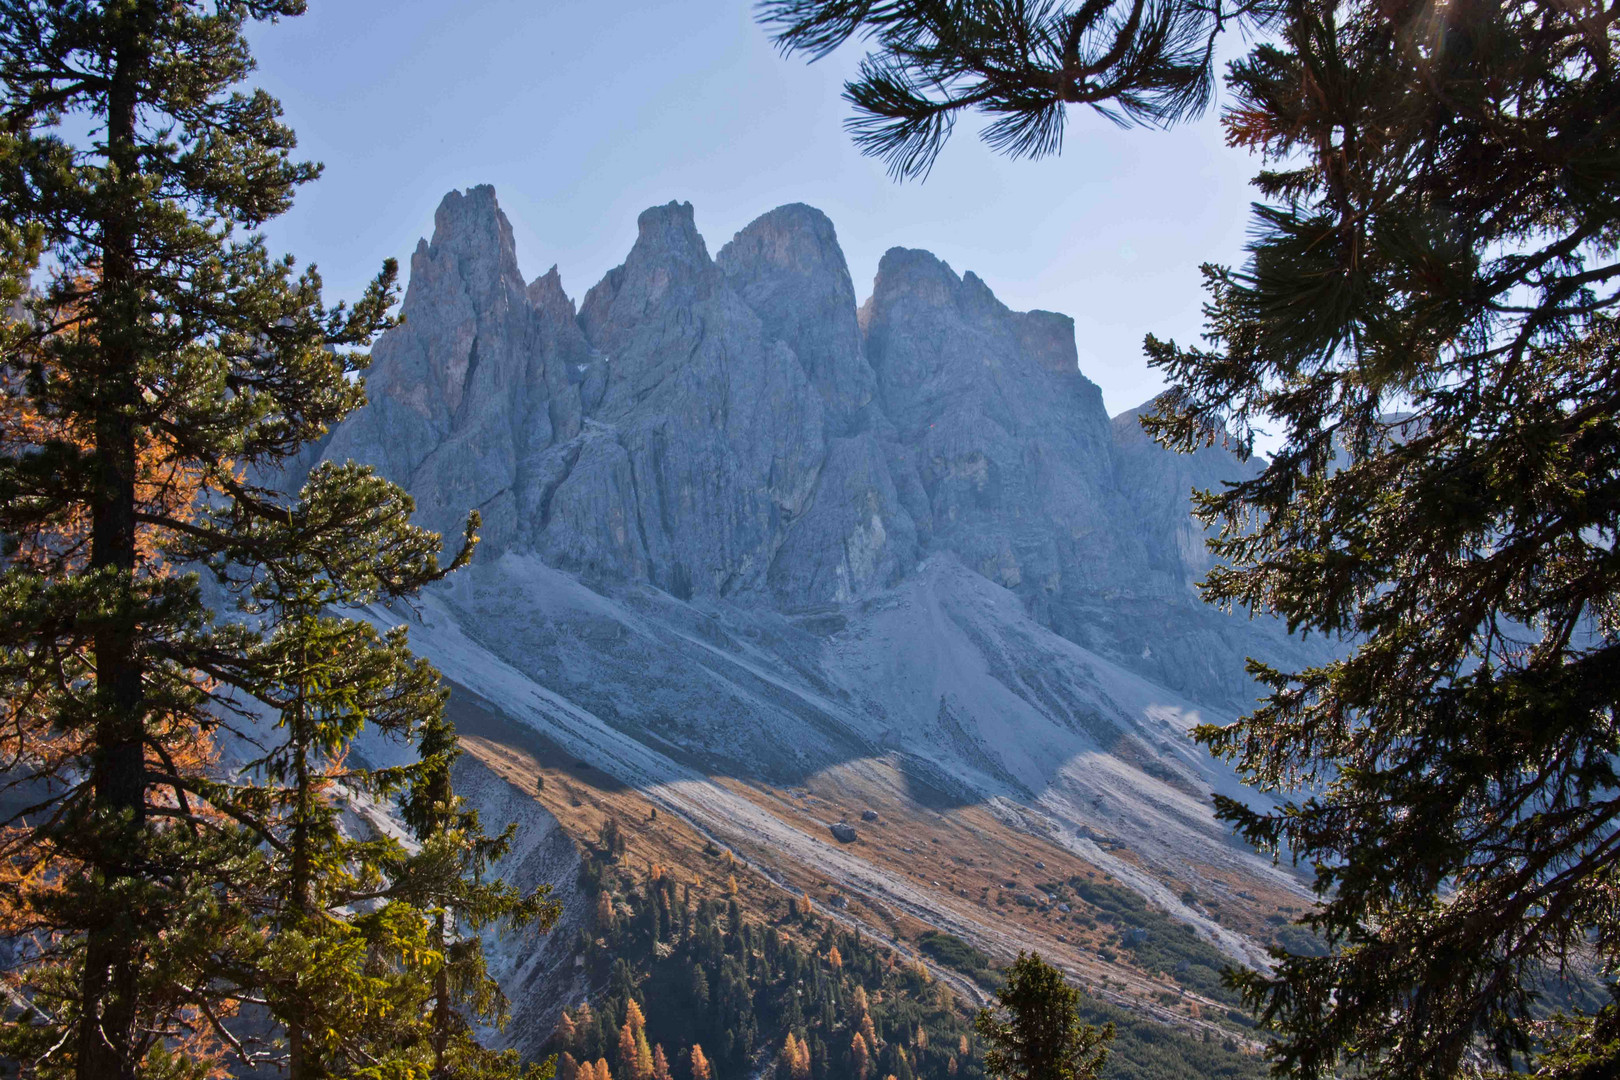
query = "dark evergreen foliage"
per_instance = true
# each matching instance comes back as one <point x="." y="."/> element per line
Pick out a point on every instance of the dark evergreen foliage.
<point x="449" y="879"/>
<point x="741" y="1001"/>
<point x="738" y="988"/>
<point x="1427" y="325"/>
<point x="1428" y="318"/>
<point x="160" y="370"/>
<point x="1036" y="1032"/>
<point x="1136" y="62"/>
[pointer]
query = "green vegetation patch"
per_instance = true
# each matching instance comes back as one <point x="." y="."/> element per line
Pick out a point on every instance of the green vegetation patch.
<point x="958" y="955"/>
<point x="1155" y="942"/>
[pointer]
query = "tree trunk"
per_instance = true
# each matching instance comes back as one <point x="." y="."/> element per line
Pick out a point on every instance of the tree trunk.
<point x="299" y="1065"/>
<point x="107" y="1039"/>
<point x="441" y="1004"/>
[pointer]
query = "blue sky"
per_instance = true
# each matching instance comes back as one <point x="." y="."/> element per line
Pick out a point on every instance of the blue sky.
<point x="582" y="114"/>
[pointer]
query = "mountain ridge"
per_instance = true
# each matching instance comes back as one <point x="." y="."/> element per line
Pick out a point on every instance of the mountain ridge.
<point x="751" y="548"/>
<point x="668" y="431"/>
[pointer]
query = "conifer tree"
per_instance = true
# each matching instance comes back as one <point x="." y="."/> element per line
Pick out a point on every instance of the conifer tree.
<point x="860" y="1056"/>
<point x="1427" y="325"/>
<point x="793" y="1062"/>
<point x="863" y="1026"/>
<point x="347" y="540"/>
<point x="701" y="1069"/>
<point x="1042" y="1036"/>
<point x="165" y="367"/>
<point x="1429" y="317"/>
<point x="168" y="354"/>
<point x="449" y="879"/>
<point x="627" y="1051"/>
<point x="1134" y="62"/>
<point x="566" y="1031"/>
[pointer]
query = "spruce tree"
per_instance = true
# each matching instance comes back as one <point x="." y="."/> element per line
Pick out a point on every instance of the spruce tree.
<point x="449" y="879"/>
<point x="347" y="540"/>
<point x="1041" y="1036"/>
<point x="1426" y="326"/>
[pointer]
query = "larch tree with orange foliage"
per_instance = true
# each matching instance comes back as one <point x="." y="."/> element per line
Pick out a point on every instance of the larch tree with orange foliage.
<point x="701" y="1069"/>
<point x="627" y="1050"/>
<point x="860" y="1056"/>
<point x="793" y="1063"/>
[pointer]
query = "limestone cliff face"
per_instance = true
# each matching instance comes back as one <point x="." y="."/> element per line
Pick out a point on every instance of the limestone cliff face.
<point x="735" y="430"/>
<point x="481" y="380"/>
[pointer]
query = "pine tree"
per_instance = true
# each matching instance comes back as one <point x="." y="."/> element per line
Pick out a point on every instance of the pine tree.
<point x="1447" y="374"/>
<point x="1133" y="62"/>
<point x="1427" y="324"/>
<point x="1042" y="1036"/>
<point x="170" y="361"/>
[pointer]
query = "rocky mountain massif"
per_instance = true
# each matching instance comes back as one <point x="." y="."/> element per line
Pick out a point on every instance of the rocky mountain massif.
<point x="767" y="558"/>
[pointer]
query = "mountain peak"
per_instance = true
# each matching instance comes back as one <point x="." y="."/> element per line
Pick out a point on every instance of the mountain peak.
<point x="787" y="266"/>
<point x="546" y="294"/>
<point x="670" y="228"/>
<point x="471" y="224"/>
<point x="1048" y="336"/>
<point x="669" y="264"/>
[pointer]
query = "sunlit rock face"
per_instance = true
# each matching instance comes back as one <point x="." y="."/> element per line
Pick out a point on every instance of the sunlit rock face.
<point x="737" y="429"/>
<point x="741" y="526"/>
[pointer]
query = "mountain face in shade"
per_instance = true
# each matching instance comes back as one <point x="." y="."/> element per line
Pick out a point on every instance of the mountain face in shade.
<point x="735" y="428"/>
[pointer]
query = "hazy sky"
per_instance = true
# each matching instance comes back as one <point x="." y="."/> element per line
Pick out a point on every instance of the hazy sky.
<point x="582" y="113"/>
